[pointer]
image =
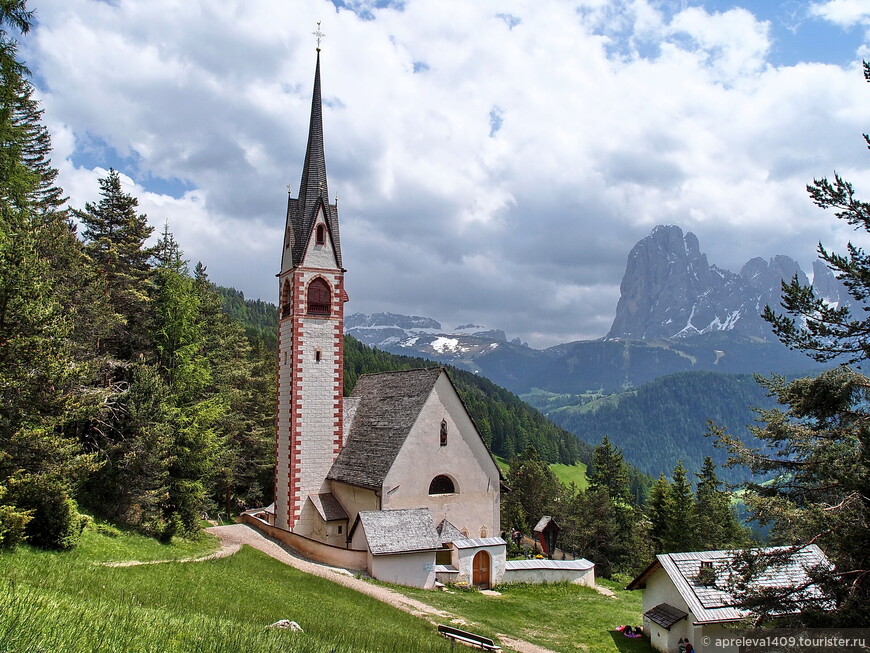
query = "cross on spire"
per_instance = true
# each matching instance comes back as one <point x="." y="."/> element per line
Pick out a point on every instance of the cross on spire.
<point x="318" y="34"/>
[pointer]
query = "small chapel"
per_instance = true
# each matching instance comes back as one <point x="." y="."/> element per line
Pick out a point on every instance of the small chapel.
<point x="395" y="479"/>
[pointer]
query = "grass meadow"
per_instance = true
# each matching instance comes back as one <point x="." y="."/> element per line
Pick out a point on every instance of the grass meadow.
<point x="560" y="616"/>
<point x="69" y="602"/>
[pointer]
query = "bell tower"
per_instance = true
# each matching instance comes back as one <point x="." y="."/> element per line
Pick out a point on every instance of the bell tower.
<point x="310" y="334"/>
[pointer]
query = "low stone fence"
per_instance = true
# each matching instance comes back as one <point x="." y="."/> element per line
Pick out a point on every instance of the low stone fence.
<point x="580" y="572"/>
<point x="318" y="551"/>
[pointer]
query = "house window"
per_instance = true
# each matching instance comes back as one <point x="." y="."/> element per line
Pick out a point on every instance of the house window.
<point x="286" y="300"/>
<point x="340" y="529"/>
<point x="443" y="432"/>
<point x="320" y="235"/>
<point x="442" y="556"/>
<point x="318" y="353"/>
<point x="319" y="297"/>
<point x="442" y="485"/>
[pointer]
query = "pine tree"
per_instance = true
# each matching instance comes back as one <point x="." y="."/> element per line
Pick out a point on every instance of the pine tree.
<point x="716" y="524"/>
<point x="681" y="529"/>
<point x="609" y="471"/>
<point x="817" y="444"/>
<point x="660" y="511"/>
<point x="115" y="238"/>
<point x="41" y="378"/>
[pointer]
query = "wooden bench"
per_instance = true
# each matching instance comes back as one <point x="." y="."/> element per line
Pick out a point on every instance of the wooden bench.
<point x="478" y="641"/>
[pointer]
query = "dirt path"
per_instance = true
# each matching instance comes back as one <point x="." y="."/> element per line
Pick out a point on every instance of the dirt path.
<point x="234" y="536"/>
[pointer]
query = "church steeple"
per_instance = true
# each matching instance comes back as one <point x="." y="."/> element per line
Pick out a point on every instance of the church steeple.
<point x="313" y="188"/>
<point x="310" y="413"/>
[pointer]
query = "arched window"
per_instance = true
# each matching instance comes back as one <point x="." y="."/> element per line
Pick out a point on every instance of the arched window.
<point x="443" y="432"/>
<point x="441" y="485"/>
<point x="320" y="235"/>
<point x="319" y="297"/>
<point x="286" y="300"/>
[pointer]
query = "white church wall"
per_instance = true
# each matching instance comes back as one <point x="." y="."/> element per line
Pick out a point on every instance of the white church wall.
<point x="411" y="569"/>
<point x="475" y="505"/>
<point x="354" y="499"/>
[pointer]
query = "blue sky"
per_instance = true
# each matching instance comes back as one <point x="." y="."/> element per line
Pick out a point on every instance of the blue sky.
<point x="495" y="161"/>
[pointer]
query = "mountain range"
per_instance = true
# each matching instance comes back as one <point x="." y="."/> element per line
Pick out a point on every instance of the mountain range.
<point x="676" y="313"/>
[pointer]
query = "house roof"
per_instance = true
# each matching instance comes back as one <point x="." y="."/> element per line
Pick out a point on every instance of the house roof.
<point x="448" y="532"/>
<point x="388" y="405"/>
<point x="543" y="523"/>
<point x="328" y="507"/>
<point x="712" y="603"/>
<point x="399" y="531"/>
<point x="580" y="564"/>
<point x="469" y="543"/>
<point x="665" y="615"/>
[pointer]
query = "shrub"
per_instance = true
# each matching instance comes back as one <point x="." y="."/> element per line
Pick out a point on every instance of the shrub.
<point x="12" y="523"/>
<point x="56" y="522"/>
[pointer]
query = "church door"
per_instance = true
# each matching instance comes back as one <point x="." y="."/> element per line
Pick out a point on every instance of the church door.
<point x="480" y="570"/>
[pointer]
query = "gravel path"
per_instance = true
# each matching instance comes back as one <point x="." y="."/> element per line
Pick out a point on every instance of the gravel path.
<point x="232" y="537"/>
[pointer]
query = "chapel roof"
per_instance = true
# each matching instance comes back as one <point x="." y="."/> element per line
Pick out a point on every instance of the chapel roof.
<point x="388" y="405"/>
<point x="399" y="531"/>
<point x="713" y="603"/>
<point x="313" y="190"/>
<point x="327" y="507"/>
<point x="449" y="532"/>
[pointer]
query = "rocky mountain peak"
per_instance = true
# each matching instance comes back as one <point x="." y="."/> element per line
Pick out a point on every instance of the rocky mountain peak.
<point x="670" y="291"/>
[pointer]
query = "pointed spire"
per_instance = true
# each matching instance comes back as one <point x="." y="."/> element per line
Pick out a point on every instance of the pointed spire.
<point x="313" y="184"/>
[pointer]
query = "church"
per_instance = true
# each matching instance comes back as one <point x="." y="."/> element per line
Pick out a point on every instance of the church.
<point x="394" y="480"/>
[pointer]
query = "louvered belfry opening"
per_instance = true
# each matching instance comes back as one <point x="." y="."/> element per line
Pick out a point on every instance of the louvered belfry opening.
<point x="319" y="297"/>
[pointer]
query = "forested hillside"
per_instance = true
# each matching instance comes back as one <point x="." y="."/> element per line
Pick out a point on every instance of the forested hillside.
<point x="665" y="420"/>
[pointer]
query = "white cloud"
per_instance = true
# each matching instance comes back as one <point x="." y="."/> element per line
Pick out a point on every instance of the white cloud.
<point x="845" y="13"/>
<point x="614" y="117"/>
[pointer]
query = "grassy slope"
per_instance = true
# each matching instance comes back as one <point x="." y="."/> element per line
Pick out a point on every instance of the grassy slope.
<point x="561" y="617"/>
<point x="67" y="602"/>
<point x="568" y="474"/>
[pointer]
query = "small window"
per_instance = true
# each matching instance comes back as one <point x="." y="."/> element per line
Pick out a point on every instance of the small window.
<point x="286" y="300"/>
<point x="340" y="527"/>
<point x="319" y="297"/>
<point x="317" y="355"/>
<point x="442" y="556"/>
<point x="320" y="235"/>
<point x="442" y="485"/>
<point x="443" y="432"/>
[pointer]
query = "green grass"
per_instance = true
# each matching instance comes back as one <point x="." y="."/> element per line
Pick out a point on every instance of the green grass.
<point x="69" y="602"/>
<point x="568" y="474"/>
<point x="561" y="616"/>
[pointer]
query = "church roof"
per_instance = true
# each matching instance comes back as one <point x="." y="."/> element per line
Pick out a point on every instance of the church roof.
<point x="389" y="404"/>
<point x="327" y="507"/>
<point x="448" y="532"/>
<point x="313" y="190"/>
<point x="399" y="531"/>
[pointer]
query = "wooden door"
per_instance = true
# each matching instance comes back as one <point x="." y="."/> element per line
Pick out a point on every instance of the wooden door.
<point x="480" y="570"/>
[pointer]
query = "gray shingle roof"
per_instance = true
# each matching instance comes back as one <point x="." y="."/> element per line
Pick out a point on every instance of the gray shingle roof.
<point x="389" y="404"/>
<point x="399" y="531"/>
<point x="473" y="543"/>
<point x="313" y="191"/>
<point x="579" y="564"/>
<point x="328" y="507"/>
<point x="665" y="615"/>
<point x="712" y="603"/>
<point x="448" y="532"/>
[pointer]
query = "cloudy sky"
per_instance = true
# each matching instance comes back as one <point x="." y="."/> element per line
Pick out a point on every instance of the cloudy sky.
<point x="494" y="160"/>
